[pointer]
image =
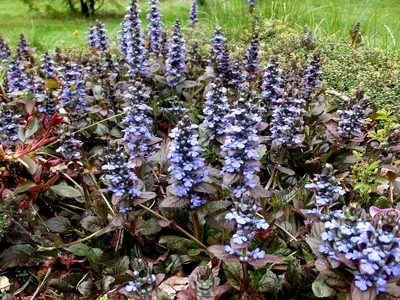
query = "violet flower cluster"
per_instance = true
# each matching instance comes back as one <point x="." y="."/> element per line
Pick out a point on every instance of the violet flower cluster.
<point x="69" y="146"/>
<point x="137" y="135"/>
<point x="220" y="56"/>
<point x="271" y="86"/>
<point x="8" y="126"/>
<point x="102" y="39"/>
<point x="5" y="51"/>
<point x="241" y="159"/>
<point x="176" y="61"/>
<point x="312" y="76"/>
<point x="121" y="177"/>
<point x="352" y="119"/>
<point x="325" y="188"/>
<point x="23" y="46"/>
<point x="217" y="107"/>
<point x="194" y="14"/>
<point x="251" y="57"/>
<point x="287" y="117"/>
<point x="246" y="224"/>
<point x="156" y="27"/>
<point x="17" y="79"/>
<point x="251" y="4"/>
<point x="48" y="105"/>
<point x="132" y="46"/>
<point x="372" y="246"/>
<point x="74" y="90"/>
<point x="143" y="280"/>
<point x="187" y="167"/>
<point x="48" y="66"/>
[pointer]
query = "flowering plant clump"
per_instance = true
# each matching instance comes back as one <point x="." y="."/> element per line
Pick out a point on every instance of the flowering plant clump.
<point x="132" y="46"/>
<point x="187" y="167"/>
<point x="233" y="176"/>
<point x="193" y="17"/>
<point x="92" y="37"/>
<point x="156" y="27"/>
<point x="312" y="76"/>
<point x="23" y="46"/>
<point x="371" y="247"/>
<point x="352" y="119"/>
<point x="246" y="225"/>
<point x="102" y="39"/>
<point x="69" y="146"/>
<point x="288" y="113"/>
<point x="325" y="188"/>
<point x="176" y="61"/>
<point x="74" y="91"/>
<point x="17" y="79"/>
<point x="48" y="66"/>
<point x="143" y="281"/>
<point x="241" y="159"/>
<point x="8" y="126"/>
<point x="271" y="86"/>
<point x="137" y="136"/>
<point x="251" y="57"/>
<point x="217" y="108"/>
<point x="122" y="180"/>
<point x="5" y="51"/>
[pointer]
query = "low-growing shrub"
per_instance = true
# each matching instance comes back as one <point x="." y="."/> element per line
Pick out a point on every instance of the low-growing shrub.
<point x="158" y="170"/>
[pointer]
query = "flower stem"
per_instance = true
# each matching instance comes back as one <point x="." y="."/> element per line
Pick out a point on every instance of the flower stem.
<point x="245" y="269"/>
<point x="196" y="226"/>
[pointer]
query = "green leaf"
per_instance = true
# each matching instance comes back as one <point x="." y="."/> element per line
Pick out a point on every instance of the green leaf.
<point x="177" y="243"/>
<point x="151" y="227"/>
<point x="23" y="187"/>
<point x="321" y="289"/>
<point x="66" y="191"/>
<point x="118" y="266"/>
<point x="233" y="273"/>
<point x="80" y="249"/>
<point x="292" y="274"/>
<point x="58" y="224"/>
<point x="265" y="280"/>
<point x="32" y="166"/>
<point x="33" y="127"/>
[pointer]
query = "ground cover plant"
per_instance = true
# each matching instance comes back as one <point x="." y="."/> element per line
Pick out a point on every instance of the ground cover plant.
<point x="157" y="170"/>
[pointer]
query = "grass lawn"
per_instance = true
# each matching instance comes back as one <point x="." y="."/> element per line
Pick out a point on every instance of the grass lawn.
<point x="47" y="28"/>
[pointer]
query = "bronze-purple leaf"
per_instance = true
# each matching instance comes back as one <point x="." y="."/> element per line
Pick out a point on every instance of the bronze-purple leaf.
<point x="220" y="252"/>
<point x="267" y="259"/>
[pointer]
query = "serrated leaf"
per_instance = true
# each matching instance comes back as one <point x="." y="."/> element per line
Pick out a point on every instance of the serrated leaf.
<point x="66" y="191"/>
<point x="59" y="224"/>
